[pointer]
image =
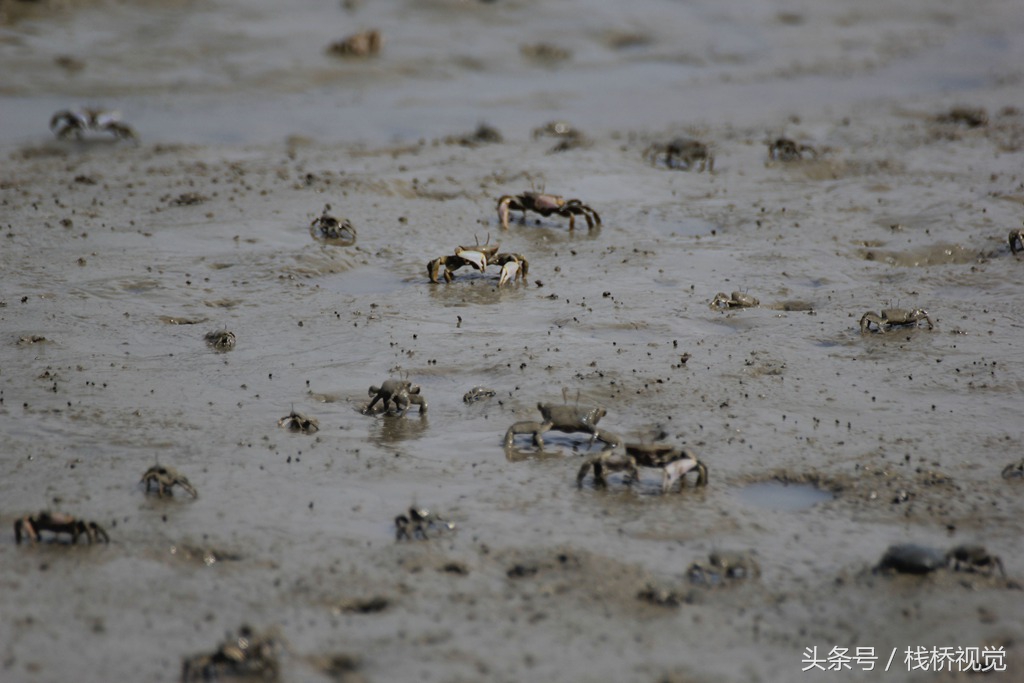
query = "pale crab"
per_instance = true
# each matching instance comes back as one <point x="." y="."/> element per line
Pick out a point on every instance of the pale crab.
<point x="331" y="228"/>
<point x="894" y="317"/>
<point x="674" y="463"/>
<point x="546" y="205"/>
<point x="165" y="479"/>
<point x="68" y="122"/>
<point x="685" y="154"/>
<point x="1016" y="240"/>
<point x="786" y="150"/>
<point x="250" y="655"/>
<point x="297" y="422"/>
<point x="31" y="526"/>
<point x="733" y="300"/>
<point x="724" y="567"/>
<point x="563" y="418"/>
<point x="221" y="340"/>
<point x="397" y="392"/>
<point x="416" y="522"/>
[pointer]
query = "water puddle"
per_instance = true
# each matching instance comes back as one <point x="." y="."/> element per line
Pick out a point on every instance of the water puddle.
<point x="775" y="495"/>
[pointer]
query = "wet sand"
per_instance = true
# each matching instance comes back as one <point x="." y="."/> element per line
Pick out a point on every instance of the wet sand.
<point x="824" y="444"/>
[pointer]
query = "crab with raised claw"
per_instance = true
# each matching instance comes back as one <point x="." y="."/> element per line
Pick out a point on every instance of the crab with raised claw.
<point x="414" y="525"/>
<point x="330" y="227"/>
<point x="165" y="479"/>
<point x="397" y="392"/>
<point x="733" y="300"/>
<point x="976" y="559"/>
<point x="682" y="153"/>
<point x="786" y="150"/>
<point x="30" y="526"/>
<point x="297" y="422"/>
<point x="1016" y="240"/>
<point x="674" y="463"/>
<point x="68" y="122"/>
<point x="566" y="419"/>
<point x="476" y="257"/>
<point x="894" y="317"/>
<point x="546" y="205"/>
<point x="247" y="656"/>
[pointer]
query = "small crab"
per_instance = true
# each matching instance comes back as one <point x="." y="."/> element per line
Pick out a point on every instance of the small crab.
<point x="682" y="153"/>
<point x="297" y="422"/>
<point x="724" y="566"/>
<point x="1016" y="240"/>
<point x="786" y="150"/>
<point x="674" y="463"/>
<point x="733" y="300"/>
<point x="562" y="418"/>
<point x="362" y="44"/>
<point x="249" y="655"/>
<point x="892" y="317"/>
<point x="911" y="558"/>
<point x="330" y="227"/>
<point x="477" y="257"/>
<point x="221" y="340"/>
<point x="478" y="394"/>
<point x="31" y="526"/>
<point x="166" y="478"/>
<point x="546" y="205"/>
<point x="414" y="525"/>
<point x="68" y="122"/>
<point x="399" y="392"/>
<point x="975" y="558"/>
<point x="1014" y="470"/>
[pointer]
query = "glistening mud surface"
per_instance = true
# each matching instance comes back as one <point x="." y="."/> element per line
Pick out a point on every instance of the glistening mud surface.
<point x="116" y="260"/>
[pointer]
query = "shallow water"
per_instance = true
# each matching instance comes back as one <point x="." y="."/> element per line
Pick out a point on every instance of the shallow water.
<point x="103" y="250"/>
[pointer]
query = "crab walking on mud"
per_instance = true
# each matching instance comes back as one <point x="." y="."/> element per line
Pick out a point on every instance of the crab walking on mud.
<point x="912" y="558"/>
<point x="30" y="526"/>
<point x="722" y="302"/>
<point x="674" y="463"/>
<point x="68" y="122"/>
<point x="546" y="205"/>
<point x="682" y="153"/>
<point x="563" y="418"/>
<point x="893" y="317"/>
<point x="1016" y="240"/>
<point x="330" y="227"/>
<point x="786" y="150"/>
<point x="397" y="395"/>
<point x="414" y="524"/>
<point x="165" y="479"/>
<point x="249" y="656"/>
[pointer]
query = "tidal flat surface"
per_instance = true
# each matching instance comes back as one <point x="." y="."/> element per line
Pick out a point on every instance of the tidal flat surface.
<point x="116" y="259"/>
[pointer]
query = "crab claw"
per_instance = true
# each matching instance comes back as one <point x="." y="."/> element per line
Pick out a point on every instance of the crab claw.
<point x="508" y="272"/>
<point x="474" y="258"/>
<point x="503" y="211"/>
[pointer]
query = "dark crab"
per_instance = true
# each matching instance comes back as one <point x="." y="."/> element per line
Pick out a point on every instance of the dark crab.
<point x="673" y="462"/>
<point x="329" y="227"/>
<point x="893" y="317"/>
<point x="724" y="567"/>
<point x="221" y="340"/>
<point x="911" y="558"/>
<point x="68" y="122"/>
<point x="165" y="479"/>
<point x="362" y="44"/>
<point x="249" y="655"/>
<point x="1015" y="470"/>
<point x="297" y="422"/>
<point x="786" y="150"/>
<point x="1016" y="240"/>
<point x="733" y="300"/>
<point x="397" y="395"/>
<point x="563" y="418"/>
<point x="31" y="527"/>
<point x="685" y="154"/>
<point x="546" y="205"/>
<point x="415" y="523"/>
<point x="975" y="558"/>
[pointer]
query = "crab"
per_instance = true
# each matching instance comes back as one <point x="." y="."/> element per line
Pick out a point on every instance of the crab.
<point x="975" y="558"/>
<point x="362" y="44"/>
<point x="478" y="394"/>
<point x="514" y="267"/>
<point x="546" y="205"/>
<point x="1015" y="470"/>
<point x="297" y="422"/>
<point x="786" y="150"/>
<point x="31" y="526"/>
<point x="733" y="300"/>
<point x="911" y="558"/>
<point x="331" y="228"/>
<point x="1016" y="240"/>
<point x="399" y="392"/>
<point x="68" y="122"/>
<point x="892" y="317"/>
<point x="414" y="525"/>
<point x="674" y="463"/>
<point x="166" y="478"/>
<point x="249" y="655"/>
<point x="563" y="418"/>
<point x="724" y="566"/>
<point x="682" y="153"/>
<point x="477" y="257"/>
<point x="221" y="340"/>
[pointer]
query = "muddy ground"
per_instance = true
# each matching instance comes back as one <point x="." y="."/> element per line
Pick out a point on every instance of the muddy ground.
<point x="824" y="444"/>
